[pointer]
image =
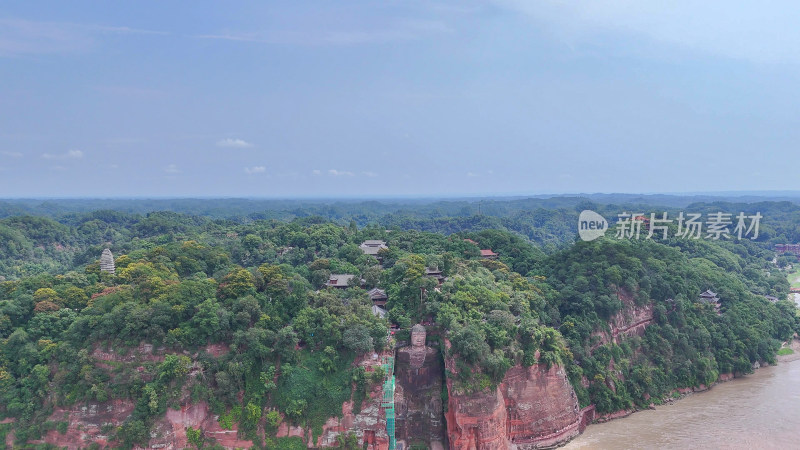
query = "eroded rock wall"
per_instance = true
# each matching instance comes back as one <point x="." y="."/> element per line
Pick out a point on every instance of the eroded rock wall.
<point x="88" y="423"/>
<point x="95" y="422"/>
<point x="531" y="408"/>
<point x="631" y="320"/>
<point x="369" y="425"/>
<point x="541" y="405"/>
<point x="477" y="421"/>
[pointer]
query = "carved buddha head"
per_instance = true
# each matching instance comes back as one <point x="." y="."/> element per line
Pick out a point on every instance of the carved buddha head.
<point x="418" y="336"/>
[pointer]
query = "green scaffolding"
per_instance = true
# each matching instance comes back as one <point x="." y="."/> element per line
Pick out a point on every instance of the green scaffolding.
<point x="388" y="399"/>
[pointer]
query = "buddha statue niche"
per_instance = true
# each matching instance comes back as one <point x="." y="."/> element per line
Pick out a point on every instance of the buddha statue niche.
<point x="418" y="394"/>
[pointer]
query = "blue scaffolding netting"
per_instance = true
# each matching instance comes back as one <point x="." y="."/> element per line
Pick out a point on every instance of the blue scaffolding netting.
<point x="387" y="403"/>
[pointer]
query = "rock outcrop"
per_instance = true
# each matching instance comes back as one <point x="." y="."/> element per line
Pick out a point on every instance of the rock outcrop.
<point x="170" y="431"/>
<point x="369" y="425"/>
<point x="542" y="406"/>
<point x="631" y="320"/>
<point x="94" y="423"/>
<point x="533" y="407"/>
<point x="87" y="423"/>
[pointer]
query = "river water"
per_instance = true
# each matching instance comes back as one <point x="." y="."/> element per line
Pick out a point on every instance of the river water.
<point x="758" y="411"/>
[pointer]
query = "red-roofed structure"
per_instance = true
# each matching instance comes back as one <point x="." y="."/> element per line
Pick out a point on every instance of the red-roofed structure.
<point x="488" y="254"/>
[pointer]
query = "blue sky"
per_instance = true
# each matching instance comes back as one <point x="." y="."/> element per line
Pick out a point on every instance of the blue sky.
<point x="285" y="99"/>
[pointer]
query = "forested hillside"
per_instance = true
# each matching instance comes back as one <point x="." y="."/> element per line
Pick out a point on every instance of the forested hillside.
<point x="236" y="314"/>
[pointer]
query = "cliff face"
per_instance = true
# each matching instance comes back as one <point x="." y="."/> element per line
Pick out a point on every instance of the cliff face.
<point x="631" y="320"/>
<point x="87" y="423"/>
<point x="542" y="406"/>
<point x="369" y="425"/>
<point x="477" y="421"/>
<point x="532" y="407"/>
<point x="94" y="422"/>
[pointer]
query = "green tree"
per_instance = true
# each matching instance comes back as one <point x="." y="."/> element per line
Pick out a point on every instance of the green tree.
<point x="195" y="437"/>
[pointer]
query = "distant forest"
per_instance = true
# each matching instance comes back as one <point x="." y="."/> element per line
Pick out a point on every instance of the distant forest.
<point x="548" y="222"/>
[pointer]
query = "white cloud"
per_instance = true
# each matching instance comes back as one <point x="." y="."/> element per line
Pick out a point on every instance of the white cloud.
<point x="339" y="173"/>
<point x="316" y="172"/>
<point x="11" y="154"/>
<point x="472" y="174"/>
<point x="71" y="154"/>
<point x="369" y="174"/>
<point x="172" y="168"/>
<point x="255" y="169"/>
<point x="234" y="143"/>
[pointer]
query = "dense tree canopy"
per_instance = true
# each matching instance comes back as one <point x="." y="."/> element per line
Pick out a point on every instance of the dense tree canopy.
<point x="190" y="285"/>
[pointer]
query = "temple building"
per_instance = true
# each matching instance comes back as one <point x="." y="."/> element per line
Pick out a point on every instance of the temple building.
<point x="711" y="298"/>
<point x="435" y="273"/>
<point x="788" y="248"/>
<point x="341" y="280"/>
<point x="372" y="247"/>
<point x="488" y="254"/>
<point x="378" y="296"/>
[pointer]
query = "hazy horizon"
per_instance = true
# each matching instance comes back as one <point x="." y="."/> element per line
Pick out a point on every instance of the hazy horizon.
<point x="766" y="195"/>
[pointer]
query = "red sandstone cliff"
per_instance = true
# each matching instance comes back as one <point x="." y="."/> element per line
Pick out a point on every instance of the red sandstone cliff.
<point x="94" y="422"/>
<point x="531" y="408"/>
<point x="631" y="320"/>
<point x="91" y="423"/>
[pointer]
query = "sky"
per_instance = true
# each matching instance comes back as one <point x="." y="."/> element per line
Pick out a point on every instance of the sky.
<point x="397" y="98"/>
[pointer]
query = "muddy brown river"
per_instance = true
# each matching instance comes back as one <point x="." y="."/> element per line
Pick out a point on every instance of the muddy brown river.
<point x="759" y="411"/>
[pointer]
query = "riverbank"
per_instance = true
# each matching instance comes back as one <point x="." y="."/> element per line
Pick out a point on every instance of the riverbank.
<point x="673" y="396"/>
<point x="756" y="411"/>
<point x="669" y="426"/>
<point x="795" y="347"/>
